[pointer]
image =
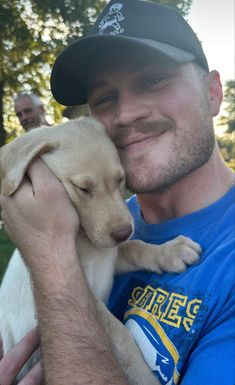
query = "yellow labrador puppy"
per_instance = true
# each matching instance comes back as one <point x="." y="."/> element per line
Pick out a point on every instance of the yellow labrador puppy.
<point x="85" y="160"/>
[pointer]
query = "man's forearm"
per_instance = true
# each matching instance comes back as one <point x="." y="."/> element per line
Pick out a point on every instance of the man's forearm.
<point x="75" y="347"/>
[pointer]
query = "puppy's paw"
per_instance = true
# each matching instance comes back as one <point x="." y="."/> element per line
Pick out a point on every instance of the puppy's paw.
<point x="178" y="253"/>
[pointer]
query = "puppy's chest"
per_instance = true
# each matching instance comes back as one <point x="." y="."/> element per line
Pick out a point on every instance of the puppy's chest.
<point x="98" y="265"/>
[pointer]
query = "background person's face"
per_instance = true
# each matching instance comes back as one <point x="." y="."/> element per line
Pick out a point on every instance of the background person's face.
<point x="30" y="116"/>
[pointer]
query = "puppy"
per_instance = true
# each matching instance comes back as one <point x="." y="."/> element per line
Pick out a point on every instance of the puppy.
<point x="85" y="160"/>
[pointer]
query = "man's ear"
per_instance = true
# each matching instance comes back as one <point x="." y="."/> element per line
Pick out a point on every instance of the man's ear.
<point x="216" y="92"/>
<point x="42" y="109"/>
<point x="16" y="156"/>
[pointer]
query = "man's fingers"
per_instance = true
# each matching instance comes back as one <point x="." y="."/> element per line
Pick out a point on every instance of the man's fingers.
<point x="44" y="181"/>
<point x="38" y="171"/>
<point x="34" y="377"/>
<point x="15" y="359"/>
<point x="39" y="164"/>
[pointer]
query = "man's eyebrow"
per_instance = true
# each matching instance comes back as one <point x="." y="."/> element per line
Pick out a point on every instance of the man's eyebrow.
<point x="95" y="85"/>
<point x="20" y="112"/>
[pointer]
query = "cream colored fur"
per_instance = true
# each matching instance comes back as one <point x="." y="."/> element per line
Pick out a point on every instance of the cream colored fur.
<point x="85" y="160"/>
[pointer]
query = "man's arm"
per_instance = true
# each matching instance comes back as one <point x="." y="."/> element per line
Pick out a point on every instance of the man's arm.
<point x="75" y="346"/>
<point x="43" y="224"/>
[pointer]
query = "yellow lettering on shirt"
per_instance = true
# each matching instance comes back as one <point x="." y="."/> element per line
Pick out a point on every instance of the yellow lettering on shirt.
<point x="170" y="308"/>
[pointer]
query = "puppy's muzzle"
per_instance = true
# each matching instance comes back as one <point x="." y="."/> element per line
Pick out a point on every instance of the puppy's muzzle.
<point x="122" y="233"/>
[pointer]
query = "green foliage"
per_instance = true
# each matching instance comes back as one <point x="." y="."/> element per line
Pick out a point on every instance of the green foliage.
<point x="33" y="32"/>
<point x="182" y="5"/>
<point x="6" y="249"/>
<point x="228" y="119"/>
<point x="231" y="164"/>
<point x="227" y="148"/>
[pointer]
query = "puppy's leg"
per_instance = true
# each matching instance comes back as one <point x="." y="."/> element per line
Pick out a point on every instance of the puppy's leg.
<point x="17" y="316"/>
<point x="126" y="351"/>
<point x="172" y="256"/>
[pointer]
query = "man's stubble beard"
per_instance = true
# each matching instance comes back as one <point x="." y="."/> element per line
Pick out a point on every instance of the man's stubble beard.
<point x="159" y="179"/>
<point x="192" y="152"/>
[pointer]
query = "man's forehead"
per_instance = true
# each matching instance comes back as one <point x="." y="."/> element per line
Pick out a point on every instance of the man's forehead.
<point x="130" y="64"/>
<point x="101" y="75"/>
<point x="23" y="102"/>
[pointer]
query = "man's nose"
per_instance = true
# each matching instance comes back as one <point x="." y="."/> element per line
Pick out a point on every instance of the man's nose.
<point x="23" y="116"/>
<point x="130" y="109"/>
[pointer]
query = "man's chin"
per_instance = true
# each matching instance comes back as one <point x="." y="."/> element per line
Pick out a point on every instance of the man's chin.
<point x="137" y="185"/>
<point x="30" y="127"/>
<point x="147" y="183"/>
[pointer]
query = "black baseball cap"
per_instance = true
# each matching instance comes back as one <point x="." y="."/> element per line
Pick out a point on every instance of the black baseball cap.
<point x="145" y="26"/>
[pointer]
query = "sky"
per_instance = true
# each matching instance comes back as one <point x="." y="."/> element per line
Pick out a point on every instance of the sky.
<point x="213" y="21"/>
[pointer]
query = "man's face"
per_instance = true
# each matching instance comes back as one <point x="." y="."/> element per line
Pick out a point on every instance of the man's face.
<point x="159" y="116"/>
<point x="30" y="116"/>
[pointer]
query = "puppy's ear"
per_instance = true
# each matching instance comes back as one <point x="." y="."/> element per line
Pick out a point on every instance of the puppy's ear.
<point x="16" y="157"/>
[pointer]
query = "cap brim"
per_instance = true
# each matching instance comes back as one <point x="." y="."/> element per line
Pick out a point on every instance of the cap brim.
<point x="72" y="67"/>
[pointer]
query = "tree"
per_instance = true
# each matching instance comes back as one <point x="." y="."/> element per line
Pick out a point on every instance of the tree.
<point x="183" y="6"/>
<point x="226" y="142"/>
<point x="228" y="119"/>
<point x="33" y="32"/>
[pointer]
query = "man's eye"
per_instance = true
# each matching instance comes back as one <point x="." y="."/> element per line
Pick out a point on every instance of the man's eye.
<point x="152" y="82"/>
<point x="103" y="100"/>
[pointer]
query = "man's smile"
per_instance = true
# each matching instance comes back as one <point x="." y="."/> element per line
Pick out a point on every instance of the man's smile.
<point x="138" y="139"/>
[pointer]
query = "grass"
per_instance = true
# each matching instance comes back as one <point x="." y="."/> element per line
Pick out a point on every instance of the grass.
<point x="6" y="249"/>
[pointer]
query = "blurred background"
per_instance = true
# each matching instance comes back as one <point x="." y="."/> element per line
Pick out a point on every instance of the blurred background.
<point x="33" y="32"/>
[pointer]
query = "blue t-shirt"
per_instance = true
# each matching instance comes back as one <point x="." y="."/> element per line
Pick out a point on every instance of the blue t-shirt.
<point x="184" y="323"/>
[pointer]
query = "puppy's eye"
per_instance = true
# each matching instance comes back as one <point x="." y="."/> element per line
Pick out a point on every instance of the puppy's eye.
<point x="121" y="184"/>
<point x="121" y="180"/>
<point x="85" y="190"/>
<point x="82" y="189"/>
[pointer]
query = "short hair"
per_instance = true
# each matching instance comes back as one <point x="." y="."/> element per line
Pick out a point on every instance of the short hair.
<point x="35" y="99"/>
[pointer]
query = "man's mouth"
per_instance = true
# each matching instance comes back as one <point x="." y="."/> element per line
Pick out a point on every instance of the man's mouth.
<point x="124" y="143"/>
<point x="29" y="124"/>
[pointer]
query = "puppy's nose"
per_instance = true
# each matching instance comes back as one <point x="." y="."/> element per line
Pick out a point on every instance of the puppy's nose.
<point x="122" y="233"/>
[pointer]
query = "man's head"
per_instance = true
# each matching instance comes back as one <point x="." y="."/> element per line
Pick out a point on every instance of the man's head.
<point x="150" y="86"/>
<point x="146" y="27"/>
<point x="159" y="115"/>
<point x="30" y="111"/>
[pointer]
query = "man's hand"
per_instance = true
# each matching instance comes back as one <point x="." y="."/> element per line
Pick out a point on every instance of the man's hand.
<point x="44" y="224"/>
<point x="14" y="360"/>
<point x="39" y="215"/>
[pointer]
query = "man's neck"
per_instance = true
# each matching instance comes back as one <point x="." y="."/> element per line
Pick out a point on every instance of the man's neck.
<point x="195" y="191"/>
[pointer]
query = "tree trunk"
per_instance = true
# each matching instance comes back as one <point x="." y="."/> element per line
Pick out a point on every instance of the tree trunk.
<point x="3" y="133"/>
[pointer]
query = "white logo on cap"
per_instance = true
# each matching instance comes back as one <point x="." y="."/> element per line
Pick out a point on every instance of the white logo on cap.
<point x="111" y="20"/>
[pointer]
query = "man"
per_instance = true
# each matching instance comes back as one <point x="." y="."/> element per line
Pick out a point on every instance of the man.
<point x="30" y="111"/>
<point x="151" y="87"/>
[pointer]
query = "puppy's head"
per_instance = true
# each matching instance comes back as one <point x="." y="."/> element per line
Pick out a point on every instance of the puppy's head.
<point x="85" y="160"/>
<point x="16" y="157"/>
<point x="91" y="172"/>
